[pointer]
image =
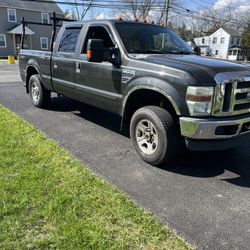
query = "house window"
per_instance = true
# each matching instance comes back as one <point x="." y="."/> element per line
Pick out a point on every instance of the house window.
<point x="3" y="41"/>
<point x="232" y="40"/>
<point x="45" y="18"/>
<point x="12" y="15"/>
<point x="203" y="40"/>
<point x="216" y="52"/>
<point x="44" y="43"/>
<point x="215" y="40"/>
<point x="230" y="52"/>
<point x="234" y="52"/>
<point x="222" y="40"/>
<point x="238" y="40"/>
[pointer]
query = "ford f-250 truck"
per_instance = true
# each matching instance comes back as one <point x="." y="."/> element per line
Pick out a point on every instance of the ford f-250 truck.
<point x="151" y="78"/>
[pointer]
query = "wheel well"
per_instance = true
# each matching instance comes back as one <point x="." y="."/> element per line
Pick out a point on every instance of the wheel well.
<point x="30" y="71"/>
<point x="145" y="97"/>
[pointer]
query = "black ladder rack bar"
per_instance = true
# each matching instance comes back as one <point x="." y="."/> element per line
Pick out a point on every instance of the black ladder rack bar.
<point x="55" y="24"/>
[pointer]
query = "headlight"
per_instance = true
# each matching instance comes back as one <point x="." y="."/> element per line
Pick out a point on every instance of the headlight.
<point x="200" y="100"/>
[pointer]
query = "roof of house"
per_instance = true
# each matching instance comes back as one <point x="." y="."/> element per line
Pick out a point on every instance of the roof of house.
<point x="19" y="30"/>
<point x="32" y="5"/>
<point x="231" y="31"/>
<point x="235" y="47"/>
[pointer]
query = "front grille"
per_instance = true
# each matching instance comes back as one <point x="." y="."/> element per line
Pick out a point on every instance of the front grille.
<point x="242" y="96"/>
<point x="232" y="98"/>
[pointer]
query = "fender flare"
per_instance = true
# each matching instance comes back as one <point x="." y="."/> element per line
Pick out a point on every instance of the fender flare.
<point x="31" y="64"/>
<point x="159" y="86"/>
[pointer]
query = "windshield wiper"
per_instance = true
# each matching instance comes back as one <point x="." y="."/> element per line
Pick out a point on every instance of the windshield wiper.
<point x="148" y="51"/>
<point x="183" y="52"/>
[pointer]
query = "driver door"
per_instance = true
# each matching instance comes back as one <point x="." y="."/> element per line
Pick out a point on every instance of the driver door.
<point x="99" y="84"/>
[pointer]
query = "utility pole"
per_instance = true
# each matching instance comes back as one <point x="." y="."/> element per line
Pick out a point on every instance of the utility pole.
<point x="167" y="5"/>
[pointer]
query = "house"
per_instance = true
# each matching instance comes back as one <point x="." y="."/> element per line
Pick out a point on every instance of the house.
<point x="225" y="43"/>
<point x="37" y="36"/>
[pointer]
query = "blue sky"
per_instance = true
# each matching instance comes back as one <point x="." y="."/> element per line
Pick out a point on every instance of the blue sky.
<point x="195" y="5"/>
<point x="189" y="4"/>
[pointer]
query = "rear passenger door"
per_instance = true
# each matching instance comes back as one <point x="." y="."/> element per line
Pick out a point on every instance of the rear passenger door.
<point x="63" y="61"/>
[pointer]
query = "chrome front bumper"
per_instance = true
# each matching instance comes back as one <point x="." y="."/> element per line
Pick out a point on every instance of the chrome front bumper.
<point x="212" y="129"/>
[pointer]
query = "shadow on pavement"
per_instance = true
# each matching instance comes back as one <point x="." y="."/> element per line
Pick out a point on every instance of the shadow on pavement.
<point x="195" y="164"/>
<point x="102" y="118"/>
<point x="211" y="164"/>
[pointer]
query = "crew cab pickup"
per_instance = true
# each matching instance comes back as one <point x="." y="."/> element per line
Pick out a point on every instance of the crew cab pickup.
<point x="161" y="89"/>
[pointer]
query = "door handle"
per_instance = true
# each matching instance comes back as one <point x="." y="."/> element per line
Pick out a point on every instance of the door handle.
<point x="78" y="67"/>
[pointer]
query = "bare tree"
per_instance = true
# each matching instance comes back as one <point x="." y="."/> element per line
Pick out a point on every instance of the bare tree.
<point x="246" y="36"/>
<point x="146" y="9"/>
<point x="79" y="9"/>
<point x="209" y="20"/>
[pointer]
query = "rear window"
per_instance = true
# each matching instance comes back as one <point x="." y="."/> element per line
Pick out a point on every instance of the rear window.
<point x="69" y="39"/>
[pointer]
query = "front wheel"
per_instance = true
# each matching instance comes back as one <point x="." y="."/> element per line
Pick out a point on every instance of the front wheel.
<point x="39" y="95"/>
<point x="153" y="134"/>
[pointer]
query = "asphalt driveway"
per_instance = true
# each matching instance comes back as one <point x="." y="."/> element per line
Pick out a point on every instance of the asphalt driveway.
<point x="205" y="197"/>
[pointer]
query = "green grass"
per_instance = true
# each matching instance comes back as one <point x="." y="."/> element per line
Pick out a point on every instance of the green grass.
<point x="49" y="200"/>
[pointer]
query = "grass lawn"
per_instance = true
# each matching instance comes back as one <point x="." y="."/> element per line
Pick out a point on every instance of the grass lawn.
<point x="49" y="200"/>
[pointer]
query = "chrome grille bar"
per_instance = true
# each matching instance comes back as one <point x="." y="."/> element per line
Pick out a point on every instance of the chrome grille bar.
<point x="236" y="101"/>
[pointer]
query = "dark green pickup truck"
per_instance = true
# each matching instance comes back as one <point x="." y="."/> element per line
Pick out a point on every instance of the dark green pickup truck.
<point x="151" y="78"/>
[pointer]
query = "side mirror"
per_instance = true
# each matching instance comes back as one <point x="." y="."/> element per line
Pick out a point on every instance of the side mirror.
<point x="197" y="51"/>
<point x="95" y="50"/>
<point x="113" y="56"/>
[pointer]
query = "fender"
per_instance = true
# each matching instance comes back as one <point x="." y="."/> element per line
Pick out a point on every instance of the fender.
<point x="158" y="85"/>
<point x="34" y="64"/>
<point x="30" y="64"/>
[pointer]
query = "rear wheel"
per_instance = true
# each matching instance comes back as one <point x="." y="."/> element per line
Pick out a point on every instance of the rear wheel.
<point x="39" y="95"/>
<point x="154" y="136"/>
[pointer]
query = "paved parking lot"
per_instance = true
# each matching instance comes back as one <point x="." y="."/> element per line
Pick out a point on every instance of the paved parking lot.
<point x="205" y="197"/>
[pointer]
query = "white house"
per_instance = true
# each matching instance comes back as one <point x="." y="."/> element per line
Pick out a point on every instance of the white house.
<point x="225" y="43"/>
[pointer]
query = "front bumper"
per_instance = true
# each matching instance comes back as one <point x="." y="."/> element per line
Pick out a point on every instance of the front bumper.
<point x="215" y="134"/>
<point x="212" y="129"/>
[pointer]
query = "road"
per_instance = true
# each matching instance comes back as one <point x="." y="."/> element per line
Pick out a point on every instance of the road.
<point x="204" y="197"/>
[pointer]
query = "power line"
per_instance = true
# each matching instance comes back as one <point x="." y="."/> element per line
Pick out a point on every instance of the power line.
<point x="161" y="6"/>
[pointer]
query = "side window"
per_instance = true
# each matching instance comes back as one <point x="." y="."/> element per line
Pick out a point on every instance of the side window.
<point x="12" y="15"/>
<point x="98" y="33"/>
<point x="3" y="41"/>
<point x="69" y="40"/>
<point x="45" y="18"/>
<point x="44" y="43"/>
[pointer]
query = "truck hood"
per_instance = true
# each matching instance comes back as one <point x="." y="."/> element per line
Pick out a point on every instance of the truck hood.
<point x="202" y="69"/>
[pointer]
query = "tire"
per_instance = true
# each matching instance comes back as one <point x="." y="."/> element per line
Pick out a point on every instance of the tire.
<point x="154" y="135"/>
<point x="40" y="96"/>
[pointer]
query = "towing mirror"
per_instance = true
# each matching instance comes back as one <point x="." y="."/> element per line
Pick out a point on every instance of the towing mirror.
<point x="95" y="50"/>
<point x="113" y="55"/>
<point x="197" y="50"/>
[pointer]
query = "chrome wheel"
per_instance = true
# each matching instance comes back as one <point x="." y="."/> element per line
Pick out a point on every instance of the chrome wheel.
<point x="35" y="91"/>
<point x="146" y="136"/>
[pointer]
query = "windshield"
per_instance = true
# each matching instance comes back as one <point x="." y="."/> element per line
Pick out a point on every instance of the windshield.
<point x="150" y="39"/>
